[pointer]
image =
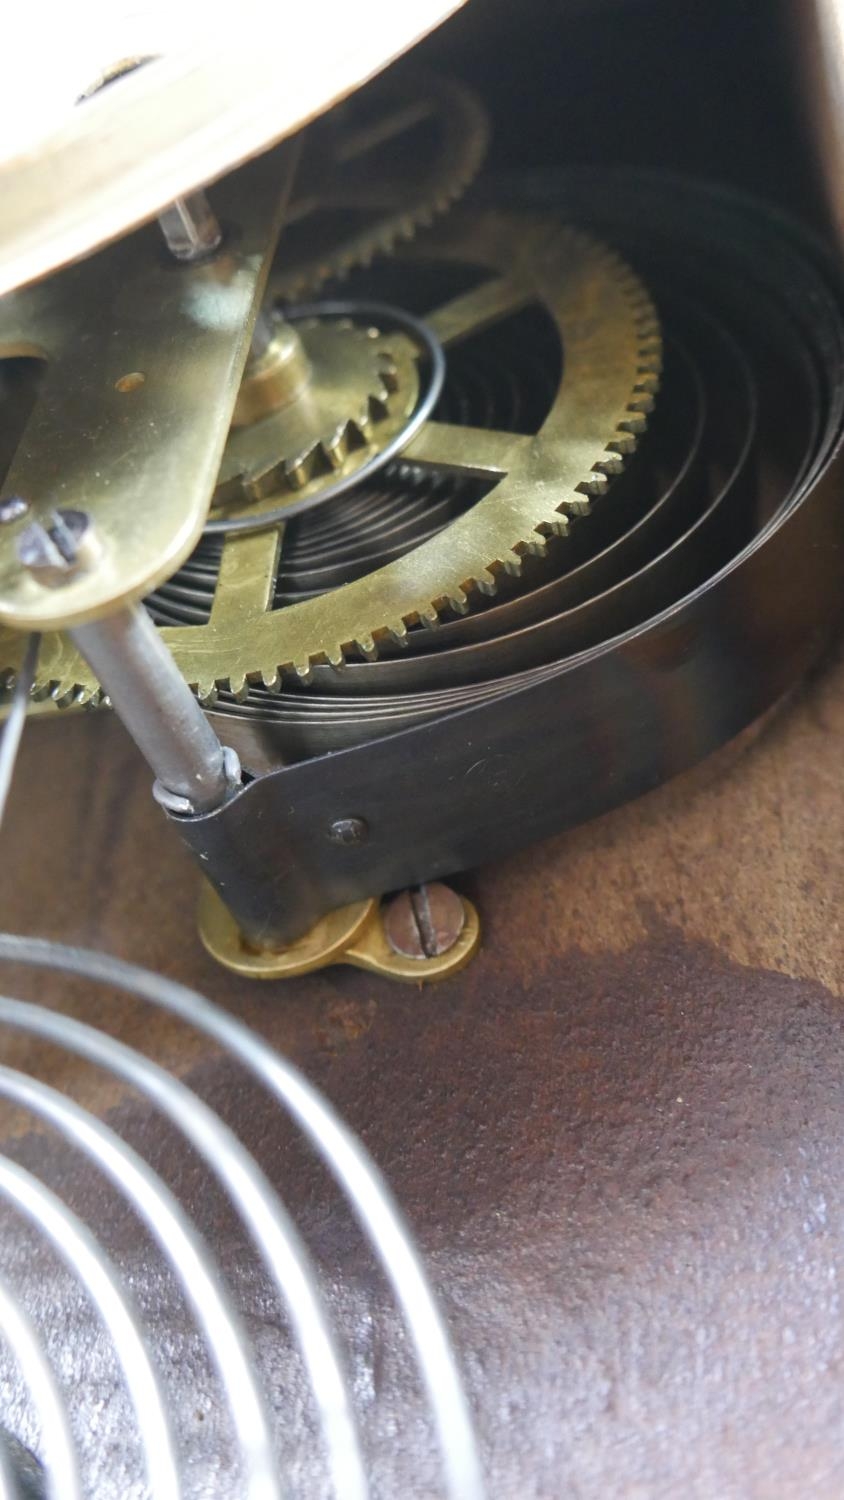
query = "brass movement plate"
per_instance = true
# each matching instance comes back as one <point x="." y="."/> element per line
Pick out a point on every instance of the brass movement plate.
<point x="144" y="359"/>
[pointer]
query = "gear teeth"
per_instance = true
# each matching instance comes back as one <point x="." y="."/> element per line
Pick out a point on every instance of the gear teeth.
<point x="296" y="472"/>
<point x="335" y="450"/>
<point x="271" y="679"/>
<point x="597" y="484"/>
<point x="63" y="693"/>
<point x="634" y="423"/>
<point x="389" y="374"/>
<point x="367" y="647"/>
<point x="378" y="405"/>
<point x="398" y="634"/>
<point x="611" y="464"/>
<point x="485" y="582"/>
<point x="581" y="506"/>
<point x="466" y="112"/>
<point x="458" y="601"/>
<point x="643" y="402"/>
<point x="560" y="526"/>
<point x="206" y="692"/>
<point x="360" y="429"/>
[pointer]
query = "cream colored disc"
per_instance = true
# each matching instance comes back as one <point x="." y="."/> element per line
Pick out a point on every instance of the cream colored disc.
<point x="81" y="164"/>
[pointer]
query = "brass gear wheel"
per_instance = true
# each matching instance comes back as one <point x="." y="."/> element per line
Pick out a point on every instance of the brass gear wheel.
<point x="611" y="344"/>
<point x="324" y="396"/>
<point x="389" y="160"/>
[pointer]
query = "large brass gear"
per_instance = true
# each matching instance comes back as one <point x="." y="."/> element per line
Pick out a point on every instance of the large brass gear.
<point x="365" y="165"/>
<point x="610" y="337"/>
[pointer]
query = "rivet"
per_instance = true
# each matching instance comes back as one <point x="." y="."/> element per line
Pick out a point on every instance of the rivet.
<point x="348" y="831"/>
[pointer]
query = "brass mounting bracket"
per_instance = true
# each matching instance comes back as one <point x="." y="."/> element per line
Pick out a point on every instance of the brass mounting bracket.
<point x="352" y="935"/>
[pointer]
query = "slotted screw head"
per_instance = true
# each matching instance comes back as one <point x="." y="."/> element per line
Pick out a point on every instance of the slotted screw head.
<point x="424" y="922"/>
<point x="55" y="552"/>
<point x="12" y="509"/>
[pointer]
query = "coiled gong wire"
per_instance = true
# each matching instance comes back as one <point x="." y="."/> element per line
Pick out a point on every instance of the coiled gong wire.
<point x="274" y="1237"/>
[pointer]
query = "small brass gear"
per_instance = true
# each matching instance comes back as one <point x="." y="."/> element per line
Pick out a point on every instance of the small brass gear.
<point x="324" y="395"/>
<point x="611" y="344"/>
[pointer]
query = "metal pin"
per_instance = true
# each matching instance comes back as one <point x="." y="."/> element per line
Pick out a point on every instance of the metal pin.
<point x="191" y="228"/>
<point x="189" y="224"/>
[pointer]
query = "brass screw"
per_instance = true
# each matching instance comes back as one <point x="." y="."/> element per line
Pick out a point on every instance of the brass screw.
<point x="55" y="552"/>
<point x="424" y="922"/>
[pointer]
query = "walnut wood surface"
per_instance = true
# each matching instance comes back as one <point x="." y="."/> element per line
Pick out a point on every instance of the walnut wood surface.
<point x="619" y="1134"/>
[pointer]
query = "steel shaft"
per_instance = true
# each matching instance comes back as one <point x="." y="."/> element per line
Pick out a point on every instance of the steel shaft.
<point x="157" y="707"/>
